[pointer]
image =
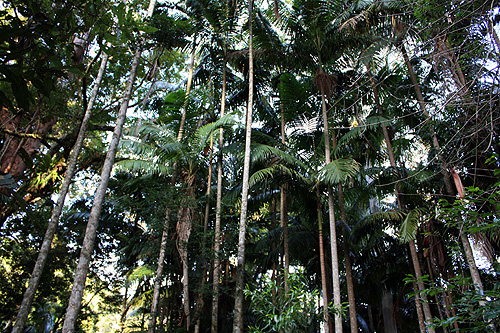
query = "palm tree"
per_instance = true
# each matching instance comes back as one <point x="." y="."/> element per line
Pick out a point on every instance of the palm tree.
<point x="240" y="274"/>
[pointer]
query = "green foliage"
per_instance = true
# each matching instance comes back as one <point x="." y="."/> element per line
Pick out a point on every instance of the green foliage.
<point x="278" y="311"/>
<point x="408" y="229"/>
<point x="338" y="171"/>
<point x="169" y="31"/>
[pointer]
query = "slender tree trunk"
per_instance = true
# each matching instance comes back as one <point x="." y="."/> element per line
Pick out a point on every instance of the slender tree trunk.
<point x="218" y="214"/>
<point x="159" y="273"/>
<point x="163" y="246"/>
<point x="124" y="307"/>
<point x="388" y="312"/>
<point x="331" y="213"/>
<point x="240" y="272"/>
<point x="284" y="211"/>
<point x="444" y="170"/>
<point x="199" y="299"/>
<point x="29" y="295"/>
<point x="493" y="33"/>
<point x="322" y="264"/>
<point x="353" y="319"/>
<point x="184" y="226"/>
<point x="413" y="249"/>
<point x="90" y="233"/>
<point x="469" y="255"/>
<point x="188" y="91"/>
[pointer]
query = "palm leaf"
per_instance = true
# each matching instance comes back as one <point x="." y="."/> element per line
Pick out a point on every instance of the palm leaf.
<point x="338" y="171"/>
<point x="143" y="166"/>
<point x="265" y="153"/>
<point x="271" y="172"/>
<point x="408" y="229"/>
<point x="203" y="133"/>
<point x="139" y="273"/>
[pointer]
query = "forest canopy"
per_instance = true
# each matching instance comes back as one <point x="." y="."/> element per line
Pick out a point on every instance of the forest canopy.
<point x="254" y="166"/>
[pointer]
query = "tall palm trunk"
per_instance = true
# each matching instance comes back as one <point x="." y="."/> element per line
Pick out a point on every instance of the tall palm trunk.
<point x="322" y="264"/>
<point x="199" y="299"/>
<point x="412" y="246"/>
<point x="284" y="211"/>
<point x="91" y="231"/>
<point x="166" y="224"/>
<point x="353" y="319"/>
<point x="240" y="272"/>
<point x="331" y="214"/>
<point x="188" y="90"/>
<point x="184" y="226"/>
<point x="218" y="213"/>
<point x="29" y="294"/>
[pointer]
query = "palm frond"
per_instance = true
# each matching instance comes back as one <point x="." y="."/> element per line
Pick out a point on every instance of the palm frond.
<point x="139" y="273"/>
<point x="338" y="171"/>
<point x="370" y="122"/>
<point x="271" y="172"/>
<point x="408" y="229"/>
<point x="203" y="133"/>
<point x="143" y="166"/>
<point x="265" y="153"/>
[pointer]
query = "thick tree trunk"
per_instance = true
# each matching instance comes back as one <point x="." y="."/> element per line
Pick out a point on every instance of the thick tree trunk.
<point x="240" y="272"/>
<point x="218" y="215"/>
<point x="331" y="214"/>
<point x="388" y="312"/>
<point x="29" y="295"/>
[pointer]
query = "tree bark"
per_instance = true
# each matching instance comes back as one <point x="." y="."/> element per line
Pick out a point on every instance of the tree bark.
<point x="29" y="294"/>
<point x="163" y="247"/>
<point x="159" y="273"/>
<point x="353" y="319"/>
<point x="188" y="91"/>
<point x="91" y="231"/>
<point x="322" y="264"/>
<point x="413" y="249"/>
<point x="218" y="214"/>
<point x="199" y="299"/>
<point x="331" y="214"/>
<point x="240" y="272"/>
<point x="284" y="211"/>
<point x="388" y="312"/>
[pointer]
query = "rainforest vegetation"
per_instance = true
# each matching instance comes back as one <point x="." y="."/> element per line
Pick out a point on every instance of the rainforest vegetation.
<point x="249" y="166"/>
